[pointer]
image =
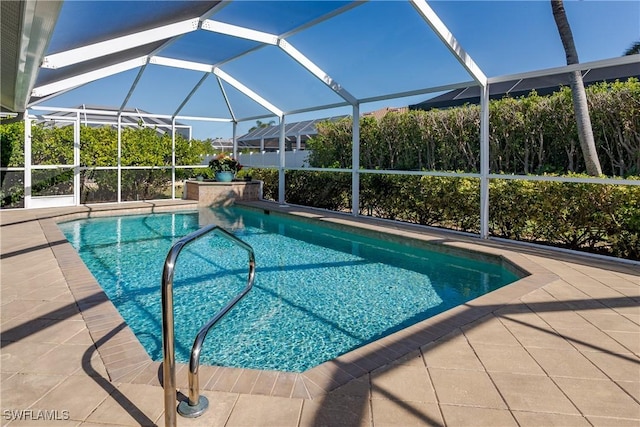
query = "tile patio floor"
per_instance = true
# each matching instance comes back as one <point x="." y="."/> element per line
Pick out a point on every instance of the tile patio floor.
<point x="558" y="348"/>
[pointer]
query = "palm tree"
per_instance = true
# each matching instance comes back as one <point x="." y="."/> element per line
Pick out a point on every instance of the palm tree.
<point x="261" y="124"/>
<point x="580" y="107"/>
<point x="633" y="49"/>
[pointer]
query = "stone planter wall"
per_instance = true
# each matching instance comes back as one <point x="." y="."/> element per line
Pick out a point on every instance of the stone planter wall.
<point x="213" y="193"/>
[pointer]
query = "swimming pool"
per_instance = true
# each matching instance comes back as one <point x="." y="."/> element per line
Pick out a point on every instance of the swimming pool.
<point x="318" y="293"/>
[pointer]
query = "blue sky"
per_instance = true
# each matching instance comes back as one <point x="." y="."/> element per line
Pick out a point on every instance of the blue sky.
<point x="378" y="48"/>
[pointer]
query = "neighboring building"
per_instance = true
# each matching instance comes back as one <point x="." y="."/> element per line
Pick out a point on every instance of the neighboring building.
<point x="90" y="116"/>
<point x="543" y="85"/>
<point x="296" y="135"/>
<point x="223" y="144"/>
<point x="267" y="138"/>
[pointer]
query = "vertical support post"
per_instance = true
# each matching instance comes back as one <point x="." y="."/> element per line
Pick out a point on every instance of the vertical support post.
<point x="355" y="162"/>
<point x="173" y="159"/>
<point x="484" y="162"/>
<point x="119" y="158"/>
<point x="76" y="160"/>
<point x="281" y="160"/>
<point x="235" y="141"/>
<point x="27" y="160"/>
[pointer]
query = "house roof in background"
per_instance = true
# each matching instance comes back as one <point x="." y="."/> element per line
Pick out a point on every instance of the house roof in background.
<point x="130" y="116"/>
<point x="543" y="85"/>
<point x="303" y="128"/>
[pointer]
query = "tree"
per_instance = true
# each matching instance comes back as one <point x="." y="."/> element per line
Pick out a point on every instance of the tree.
<point x="261" y="124"/>
<point x="634" y="49"/>
<point x="580" y="107"/>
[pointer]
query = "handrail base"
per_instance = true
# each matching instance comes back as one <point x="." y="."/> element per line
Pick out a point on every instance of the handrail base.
<point x="194" y="411"/>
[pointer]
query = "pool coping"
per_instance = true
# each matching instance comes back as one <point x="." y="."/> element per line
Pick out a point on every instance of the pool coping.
<point x="126" y="361"/>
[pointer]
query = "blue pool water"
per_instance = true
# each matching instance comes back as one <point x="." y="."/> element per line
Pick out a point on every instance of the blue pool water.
<point x="318" y="292"/>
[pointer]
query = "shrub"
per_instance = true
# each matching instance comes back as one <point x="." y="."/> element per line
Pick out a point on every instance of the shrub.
<point x="598" y="218"/>
<point x="327" y="190"/>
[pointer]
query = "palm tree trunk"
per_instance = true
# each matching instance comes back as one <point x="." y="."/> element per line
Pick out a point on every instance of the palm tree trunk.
<point x="580" y="106"/>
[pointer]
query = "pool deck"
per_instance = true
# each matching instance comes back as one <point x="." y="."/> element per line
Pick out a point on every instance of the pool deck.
<point x="560" y="347"/>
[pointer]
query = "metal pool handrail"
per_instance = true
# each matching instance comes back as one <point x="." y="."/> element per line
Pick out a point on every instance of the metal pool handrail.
<point x="168" y="346"/>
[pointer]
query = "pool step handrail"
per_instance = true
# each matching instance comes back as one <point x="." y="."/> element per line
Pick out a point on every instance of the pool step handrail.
<point x="196" y="405"/>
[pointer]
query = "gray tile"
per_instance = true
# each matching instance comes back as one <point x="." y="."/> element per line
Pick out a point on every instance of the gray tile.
<point x="387" y="413"/>
<point x="451" y="352"/>
<point x="619" y="367"/>
<point x="537" y="419"/>
<point x="600" y="398"/>
<point x="334" y="410"/>
<point x="497" y="358"/>
<point x="566" y="363"/>
<point x="532" y="393"/>
<point x="22" y="390"/>
<point x="478" y="417"/>
<point x="256" y="411"/>
<point x="131" y="404"/>
<point x="469" y="388"/>
<point x="408" y="383"/>
<point x="80" y="395"/>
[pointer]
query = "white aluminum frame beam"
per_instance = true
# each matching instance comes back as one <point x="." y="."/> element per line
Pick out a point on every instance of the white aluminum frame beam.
<point x="207" y="68"/>
<point x="76" y="160"/>
<point x="126" y="114"/>
<point x="449" y="40"/>
<point x="484" y="162"/>
<point x="316" y="71"/>
<point x="302" y="27"/>
<point x="237" y="31"/>
<point x="288" y="48"/>
<point x="347" y="7"/>
<point x="173" y="159"/>
<point x="622" y="60"/>
<point x="226" y="100"/>
<point x="204" y="119"/>
<point x="281" y="162"/>
<point x="91" y="76"/>
<point x="172" y="32"/>
<point x="132" y="88"/>
<point x="119" y="44"/>
<point x="179" y="63"/>
<point x="355" y="161"/>
<point x="214" y="9"/>
<point x="407" y="94"/>
<point x="193" y="91"/>
<point x="250" y="93"/>
<point x="28" y="142"/>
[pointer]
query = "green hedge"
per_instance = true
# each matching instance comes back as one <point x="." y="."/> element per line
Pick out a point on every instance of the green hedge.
<point x="528" y="135"/>
<point x="597" y="218"/>
<point x="600" y="218"/>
